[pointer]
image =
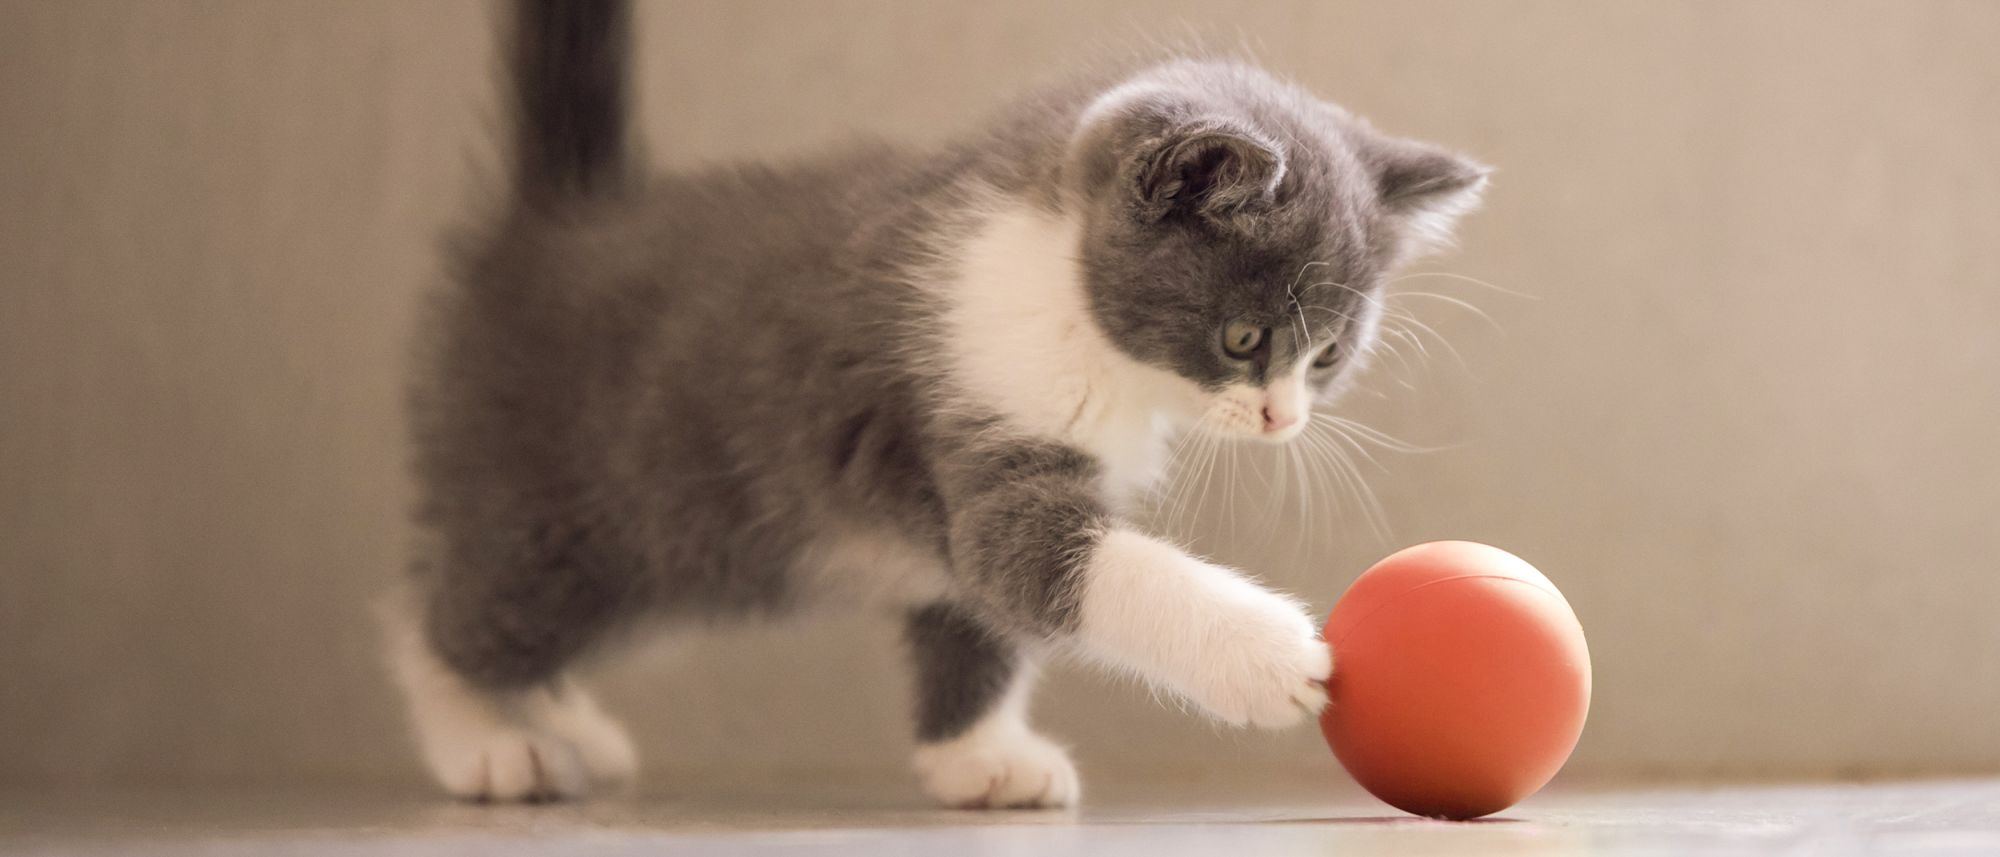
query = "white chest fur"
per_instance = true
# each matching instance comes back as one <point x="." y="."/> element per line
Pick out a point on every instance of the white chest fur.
<point x="1022" y="342"/>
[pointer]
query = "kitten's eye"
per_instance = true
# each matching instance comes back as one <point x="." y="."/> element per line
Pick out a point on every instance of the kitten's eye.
<point x="1326" y="357"/>
<point x="1241" y="338"/>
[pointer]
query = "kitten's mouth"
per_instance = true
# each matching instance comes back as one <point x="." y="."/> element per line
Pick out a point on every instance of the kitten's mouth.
<point x="1282" y="434"/>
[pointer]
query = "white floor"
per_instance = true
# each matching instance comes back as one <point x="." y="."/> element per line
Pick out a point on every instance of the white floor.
<point x="1232" y="819"/>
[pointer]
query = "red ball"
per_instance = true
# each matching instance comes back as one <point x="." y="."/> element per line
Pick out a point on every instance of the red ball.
<point x="1460" y="680"/>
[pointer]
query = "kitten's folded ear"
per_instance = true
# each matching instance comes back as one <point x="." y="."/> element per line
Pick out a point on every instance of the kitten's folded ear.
<point x="1425" y="189"/>
<point x="1162" y="159"/>
<point x="1208" y="168"/>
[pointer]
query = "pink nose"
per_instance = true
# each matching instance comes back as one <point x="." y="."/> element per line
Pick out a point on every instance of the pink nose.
<point x="1273" y="422"/>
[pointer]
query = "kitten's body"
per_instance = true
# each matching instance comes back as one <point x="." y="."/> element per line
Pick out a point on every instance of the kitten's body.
<point x="928" y="381"/>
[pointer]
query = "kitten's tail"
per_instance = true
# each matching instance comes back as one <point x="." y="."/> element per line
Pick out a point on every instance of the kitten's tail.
<point x="571" y="79"/>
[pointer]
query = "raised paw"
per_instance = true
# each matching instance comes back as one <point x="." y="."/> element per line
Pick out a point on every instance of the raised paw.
<point x="1266" y="668"/>
<point x="998" y="769"/>
<point x="1245" y="654"/>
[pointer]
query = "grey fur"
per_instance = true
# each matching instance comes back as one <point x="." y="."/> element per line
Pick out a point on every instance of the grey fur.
<point x="656" y="402"/>
<point x="963" y="668"/>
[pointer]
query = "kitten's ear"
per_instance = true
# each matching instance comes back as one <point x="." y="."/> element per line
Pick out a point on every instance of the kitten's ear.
<point x="1426" y="190"/>
<point x="1158" y="156"/>
<point x="1209" y="168"/>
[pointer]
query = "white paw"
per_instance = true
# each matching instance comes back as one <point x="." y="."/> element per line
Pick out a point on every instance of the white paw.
<point x="998" y="769"/>
<point x="1264" y="665"/>
<point x="507" y="764"/>
<point x="601" y="743"/>
<point x="548" y="743"/>
<point x="1244" y="654"/>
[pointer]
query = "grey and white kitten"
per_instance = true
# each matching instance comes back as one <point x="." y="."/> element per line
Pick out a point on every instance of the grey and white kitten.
<point x="931" y="380"/>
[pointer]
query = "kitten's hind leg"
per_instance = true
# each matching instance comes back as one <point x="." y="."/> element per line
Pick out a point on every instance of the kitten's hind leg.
<point x="548" y="741"/>
<point x="607" y="752"/>
<point x="975" y="748"/>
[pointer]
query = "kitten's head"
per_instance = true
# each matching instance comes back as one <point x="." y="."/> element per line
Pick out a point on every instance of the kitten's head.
<point x="1238" y="232"/>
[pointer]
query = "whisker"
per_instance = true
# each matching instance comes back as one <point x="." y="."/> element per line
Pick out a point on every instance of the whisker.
<point x="1347" y="288"/>
<point x="1342" y="434"/>
<point x="1405" y="368"/>
<point x="1319" y="444"/>
<point x="1298" y="306"/>
<point x="1276" y="485"/>
<point x="1357" y="482"/>
<point x="1305" y="496"/>
<point x="1468" y="307"/>
<point x="1302" y="275"/>
<point x="1191" y="495"/>
<point x="1207" y="476"/>
<point x="1329" y="311"/>
<point x="1181" y="464"/>
<point x="1332" y="466"/>
<point x="1465" y="279"/>
<point x="1229" y="490"/>
<point x="1384" y="439"/>
<point x="1403" y="334"/>
<point x="1413" y="321"/>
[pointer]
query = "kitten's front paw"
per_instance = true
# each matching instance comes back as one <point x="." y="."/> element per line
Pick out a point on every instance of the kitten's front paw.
<point x="1006" y="769"/>
<point x="1243" y="653"/>
<point x="1264" y="665"/>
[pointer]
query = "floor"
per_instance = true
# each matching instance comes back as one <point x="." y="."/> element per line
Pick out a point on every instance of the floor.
<point x="1234" y="819"/>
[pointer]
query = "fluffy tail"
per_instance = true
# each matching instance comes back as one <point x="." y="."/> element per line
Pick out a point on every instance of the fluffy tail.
<point x="572" y="72"/>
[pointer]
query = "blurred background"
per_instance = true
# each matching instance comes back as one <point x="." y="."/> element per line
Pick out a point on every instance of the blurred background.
<point x="1746" y="420"/>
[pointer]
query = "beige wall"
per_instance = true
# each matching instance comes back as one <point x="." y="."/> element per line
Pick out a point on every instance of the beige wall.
<point x="1747" y="424"/>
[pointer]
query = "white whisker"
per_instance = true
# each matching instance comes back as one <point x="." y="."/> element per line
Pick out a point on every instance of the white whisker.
<point x="1299" y="473"/>
<point x="1468" y="307"/>
<point x="1407" y="319"/>
<point x="1463" y="278"/>
<point x="1357" y="484"/>
<point x="1381" y="438"/>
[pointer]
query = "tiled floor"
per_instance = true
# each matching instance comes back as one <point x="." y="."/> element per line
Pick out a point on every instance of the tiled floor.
<point x="1236" y="820"/>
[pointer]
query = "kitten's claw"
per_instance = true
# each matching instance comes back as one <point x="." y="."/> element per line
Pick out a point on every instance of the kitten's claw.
<point x="1244" y="654"/>
<point x="1271" y="676"/>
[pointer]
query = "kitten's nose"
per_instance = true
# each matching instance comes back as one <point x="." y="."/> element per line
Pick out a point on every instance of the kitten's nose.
<point x="1274" y="422"/>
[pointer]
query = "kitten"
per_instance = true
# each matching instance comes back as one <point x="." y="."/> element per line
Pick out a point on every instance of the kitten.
<point x="927" y="380"/>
